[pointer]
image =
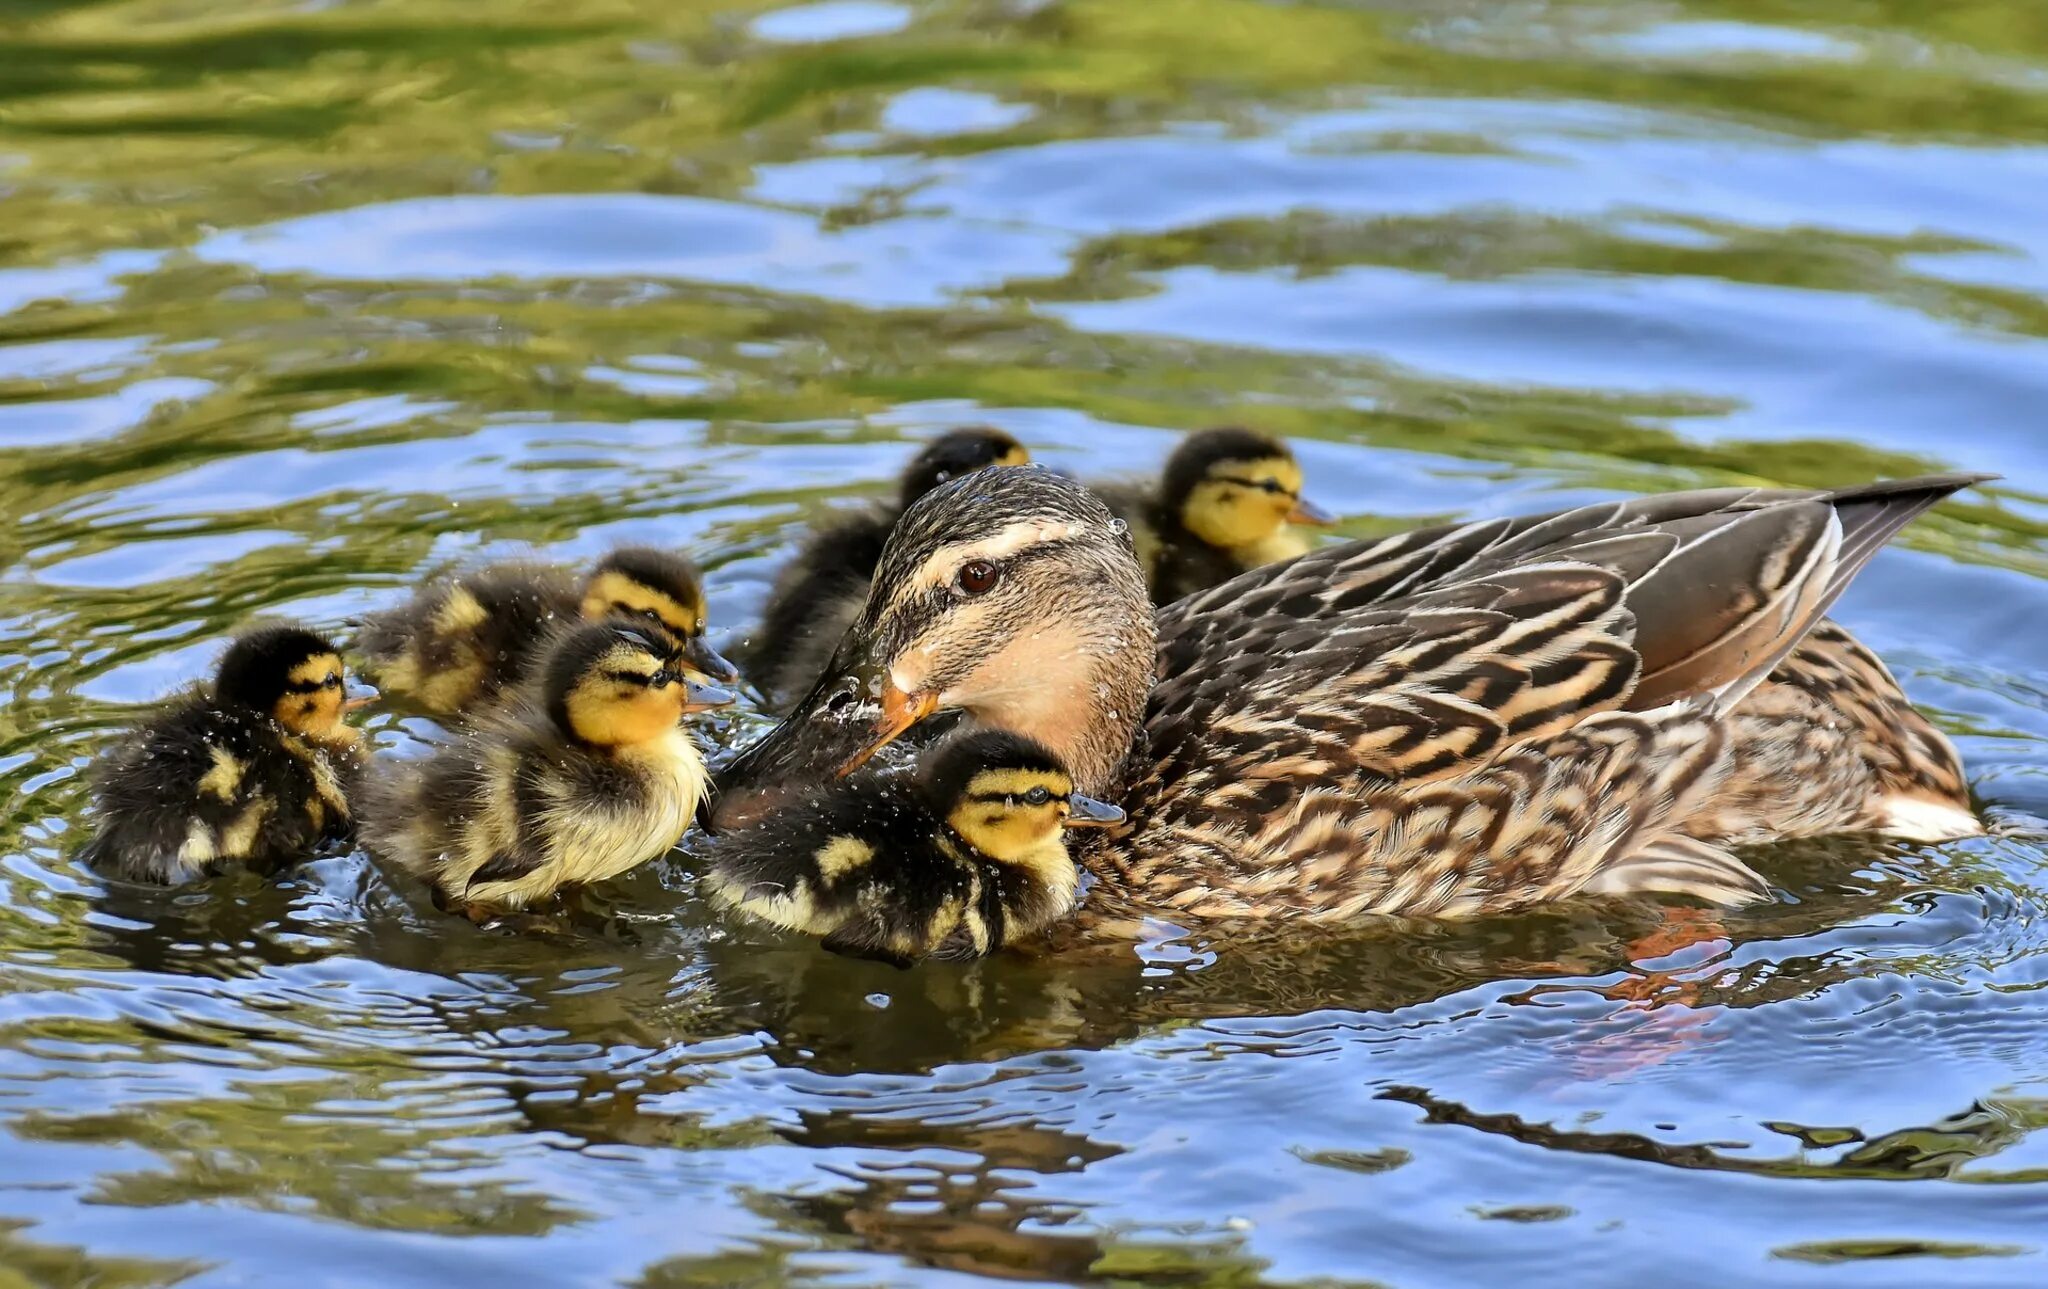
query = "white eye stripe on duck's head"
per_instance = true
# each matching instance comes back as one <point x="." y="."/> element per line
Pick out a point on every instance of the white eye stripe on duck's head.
<point x="948" y="566"/>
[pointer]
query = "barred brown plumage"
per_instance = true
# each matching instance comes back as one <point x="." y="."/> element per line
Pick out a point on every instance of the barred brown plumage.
<point x="1462" y="720"/>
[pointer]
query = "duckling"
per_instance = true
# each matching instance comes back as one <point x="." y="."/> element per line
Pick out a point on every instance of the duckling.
<point x="587" y="774"/>
<point x="253" y="769"/>
<point x="461" y="642"/>
<point x="954" y="862"/>
<point x="820" y="592"/>
<point x="1225" y="503"/>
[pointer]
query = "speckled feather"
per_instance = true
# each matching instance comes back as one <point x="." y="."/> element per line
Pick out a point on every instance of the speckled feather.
<point x="1472" y="719"/>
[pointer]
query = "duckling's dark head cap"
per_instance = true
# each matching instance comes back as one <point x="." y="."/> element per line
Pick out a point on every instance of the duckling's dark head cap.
<point x="1204" y="450"/>
<point x="949" y="767"/>
<point x="665" y="571"/>
<point x="577" y="652"/>
<point x="958" y="452"/>
<point x="256" y="669"/>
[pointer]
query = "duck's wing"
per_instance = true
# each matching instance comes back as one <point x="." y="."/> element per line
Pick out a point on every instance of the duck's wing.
<point x="1705" y="567"/>
<point x="1310" y="680"/>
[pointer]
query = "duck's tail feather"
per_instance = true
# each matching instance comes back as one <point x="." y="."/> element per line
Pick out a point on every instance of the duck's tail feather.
<point x="1767" y="576"/>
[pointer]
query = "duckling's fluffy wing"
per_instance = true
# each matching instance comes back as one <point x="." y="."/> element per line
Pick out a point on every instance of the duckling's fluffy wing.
<point x="468" y="635"/>
<point x="804" y="868"/>
<point x="196" y="786"/>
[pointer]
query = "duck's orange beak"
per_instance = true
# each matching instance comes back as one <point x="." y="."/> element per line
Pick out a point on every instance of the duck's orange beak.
<point x="900" y="711"/>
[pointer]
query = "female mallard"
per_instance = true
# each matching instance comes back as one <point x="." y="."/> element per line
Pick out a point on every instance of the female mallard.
<point x="955" y="861"/>
<point x="1456" y="721"/>
<point x="584" y="777"/>
<point x="1227" y="501"/>
<point x="462" y="641"/>
<point x="820" y="592"/>
<point x="252" y="770"/>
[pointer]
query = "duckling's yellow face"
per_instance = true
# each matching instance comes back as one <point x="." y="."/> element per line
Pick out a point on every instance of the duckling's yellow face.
<point x="313" y="701"/>
<point x="626" y="697"/>
<point x="614" y="594"/>
<point x="1011" y="814"/>
<point x="1243" y="503"/>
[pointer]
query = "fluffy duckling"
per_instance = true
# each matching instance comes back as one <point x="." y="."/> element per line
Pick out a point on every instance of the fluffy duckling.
<point x="462" y="641"/>
<point x="964" y="857"/>
<point x="253" y="769"/>
<point x="1225" y="503"/>
<point x="820" y="592"/>
<point x="587" y="775"/>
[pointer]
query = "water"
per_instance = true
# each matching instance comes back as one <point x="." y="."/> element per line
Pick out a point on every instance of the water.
<point x="298" y="301"/>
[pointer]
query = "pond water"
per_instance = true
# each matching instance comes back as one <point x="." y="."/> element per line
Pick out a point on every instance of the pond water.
<point x="300" y="301"/>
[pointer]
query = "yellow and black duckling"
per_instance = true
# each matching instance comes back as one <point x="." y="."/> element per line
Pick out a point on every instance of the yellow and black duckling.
<point x="820" y="591"/>
<point x="965" y="856"/>
<point x="585" y="775"/>
<point x="253" y="769"/>
<point x="461" y="642"/>
<point x="1228" y="500"/>
<point x="1458" y="721"/>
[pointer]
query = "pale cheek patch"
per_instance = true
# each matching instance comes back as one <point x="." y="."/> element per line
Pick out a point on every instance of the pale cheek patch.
<point x="968" y="628"/>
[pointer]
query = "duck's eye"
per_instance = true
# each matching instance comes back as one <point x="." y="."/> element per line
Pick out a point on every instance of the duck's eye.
<point x="1037" y="797"/>
<point x="978" y="577"/>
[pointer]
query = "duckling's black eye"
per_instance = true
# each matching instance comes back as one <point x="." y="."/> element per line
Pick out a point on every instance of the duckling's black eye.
<point x="978" y="577"/>
<point x="1037" y="797"/>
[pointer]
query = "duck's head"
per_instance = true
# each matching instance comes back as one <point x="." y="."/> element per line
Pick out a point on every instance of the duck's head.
<point x="292" y="675"/>
<point x="1007" y="796"/>
<point x="1235" y="488"/>
<point x="663" y="588"/>
<point x="619" y="684"/>
<point x="958" y="452"/>
<point x="1012" y="596"/>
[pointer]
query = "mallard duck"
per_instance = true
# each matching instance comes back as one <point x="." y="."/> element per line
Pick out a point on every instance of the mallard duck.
<point x="955" y="861"/>
<point x="459" y="643"/>
<point x="1458" y="721"/>
<point x="585" y="775"/>
<point x="820" y="591"/>
<point x="1228" y="500"/>
<point x="253" y="769"/>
